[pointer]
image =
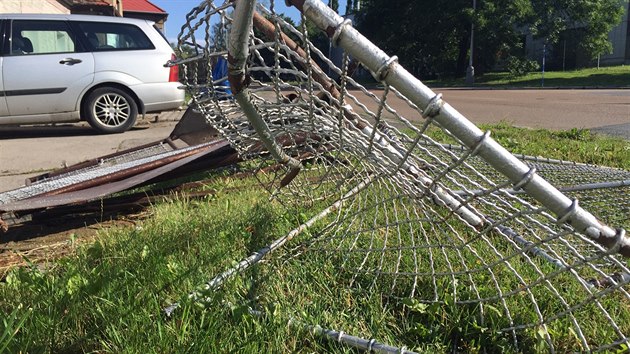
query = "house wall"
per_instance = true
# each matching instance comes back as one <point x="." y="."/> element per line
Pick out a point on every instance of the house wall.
<point x="33" y="6"/>
<point x="619" y="39"/>
<point x="567" y="52"/>
<point x="55" y="7"/>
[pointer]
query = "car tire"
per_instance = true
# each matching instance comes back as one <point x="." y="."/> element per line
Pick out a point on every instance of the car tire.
<point x="110" y="110"/>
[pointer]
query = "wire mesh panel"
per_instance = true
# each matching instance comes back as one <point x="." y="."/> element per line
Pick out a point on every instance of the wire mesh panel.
<point x="448" y="222"/>
<point x="118" y="163"/>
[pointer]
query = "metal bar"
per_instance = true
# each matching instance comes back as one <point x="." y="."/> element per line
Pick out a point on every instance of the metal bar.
<point x="529" y="246"/>
<point x="238" y="51"/>
<point x="388" y="70"/>
<point x="520" y="156"/>
<point x="576" y="188"/>
<point x="369" y="345"/>
<point x="257" y="256"/>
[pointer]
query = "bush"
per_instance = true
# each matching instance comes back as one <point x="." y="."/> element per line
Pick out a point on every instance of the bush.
<point x="519" y="66"/>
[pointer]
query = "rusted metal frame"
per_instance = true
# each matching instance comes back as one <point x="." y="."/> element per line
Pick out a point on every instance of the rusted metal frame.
<point x="90" y="163"/>
<point x="204" y="164"/>
<point x="170" y="141"/>
<point x="223" y="156"/>
<point x="269" y="30"/>
<point x="217" y="155"/>
<point x="126" y="173"/>
<point x="387" y="69"/>
<point x="115" y="204"/>
<point x="126" y="202"/>
<point x="109" y="187"/>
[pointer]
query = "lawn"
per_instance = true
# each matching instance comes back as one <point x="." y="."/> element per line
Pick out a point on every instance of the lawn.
<point x="613" y="76"/>
<point x="108" y="296"/>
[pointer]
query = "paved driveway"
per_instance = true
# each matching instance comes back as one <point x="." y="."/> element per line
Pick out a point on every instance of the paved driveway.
<point x="31" y="151"/>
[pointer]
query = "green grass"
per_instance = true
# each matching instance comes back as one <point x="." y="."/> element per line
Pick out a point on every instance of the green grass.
<point x="613" y="76"/>
<point x="572" y="145"/>
<point x="108" y="296"/>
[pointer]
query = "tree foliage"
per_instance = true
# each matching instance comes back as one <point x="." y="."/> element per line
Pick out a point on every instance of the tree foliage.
<point x="334" y="4"/>
<point x="548" y="20"/>
<point x="433" y="37"/>
<point x="426" y="35"/>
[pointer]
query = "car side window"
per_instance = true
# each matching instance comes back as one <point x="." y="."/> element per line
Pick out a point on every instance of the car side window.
<point x="41" y="37"/>
<point x="103" y="36"/>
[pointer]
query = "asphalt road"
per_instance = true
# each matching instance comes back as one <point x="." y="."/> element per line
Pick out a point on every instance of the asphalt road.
<point x="601" y="110"/>
<point x="29" y="151"/>
<point x="549" y="109"/>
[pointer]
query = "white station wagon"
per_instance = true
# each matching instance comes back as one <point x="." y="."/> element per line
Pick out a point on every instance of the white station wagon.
<point x="68" y="68"/>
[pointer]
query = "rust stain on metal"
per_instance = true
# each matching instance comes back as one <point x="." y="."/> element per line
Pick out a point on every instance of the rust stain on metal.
<point x="209" y="156"/>
<point x="125" y="173"/>
<point x="299" y="4"/>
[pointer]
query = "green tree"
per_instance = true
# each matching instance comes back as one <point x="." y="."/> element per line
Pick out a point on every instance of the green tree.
<point x="334" y="4"/>
<point x="547" y="20"/>
<point x="184" y="51"/>
<point x="426" y="35"/>
<point x="433" y="37"/>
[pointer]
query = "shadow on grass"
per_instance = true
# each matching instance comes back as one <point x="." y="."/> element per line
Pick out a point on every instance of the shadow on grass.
<point x="592" y="80"/>
<point x="604" y="79"/>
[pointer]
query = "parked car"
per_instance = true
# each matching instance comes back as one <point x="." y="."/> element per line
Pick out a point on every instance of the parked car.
<point x="67" y="68"/>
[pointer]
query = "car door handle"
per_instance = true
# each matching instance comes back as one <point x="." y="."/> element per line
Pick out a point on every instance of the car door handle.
<point x="70" y="61"/>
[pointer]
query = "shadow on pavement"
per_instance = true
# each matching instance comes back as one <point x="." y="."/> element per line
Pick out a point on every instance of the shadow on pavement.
<point x="616" y="130"/>
<point x="50" y="131"/>
<point x="45" y="131"/>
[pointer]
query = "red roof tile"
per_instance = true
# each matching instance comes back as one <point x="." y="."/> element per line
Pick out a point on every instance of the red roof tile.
<point x="141" y="6"/>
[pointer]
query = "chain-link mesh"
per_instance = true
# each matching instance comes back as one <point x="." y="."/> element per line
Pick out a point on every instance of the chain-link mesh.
<point x="103" y="168"/>
<point x="413" y="216"/>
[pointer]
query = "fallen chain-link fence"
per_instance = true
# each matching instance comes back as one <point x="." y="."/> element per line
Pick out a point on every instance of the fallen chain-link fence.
<point x="461" y="223"/>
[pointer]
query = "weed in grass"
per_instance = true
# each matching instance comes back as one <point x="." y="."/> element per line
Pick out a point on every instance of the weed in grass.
<point x="11" y="325"/>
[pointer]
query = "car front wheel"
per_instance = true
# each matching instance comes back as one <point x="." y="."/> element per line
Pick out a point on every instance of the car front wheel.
<point x="110" y="110"/>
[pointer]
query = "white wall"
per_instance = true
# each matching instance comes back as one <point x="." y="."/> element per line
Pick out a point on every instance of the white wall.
<point x="32" y="6"/>
<point x="618" y="37"/>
